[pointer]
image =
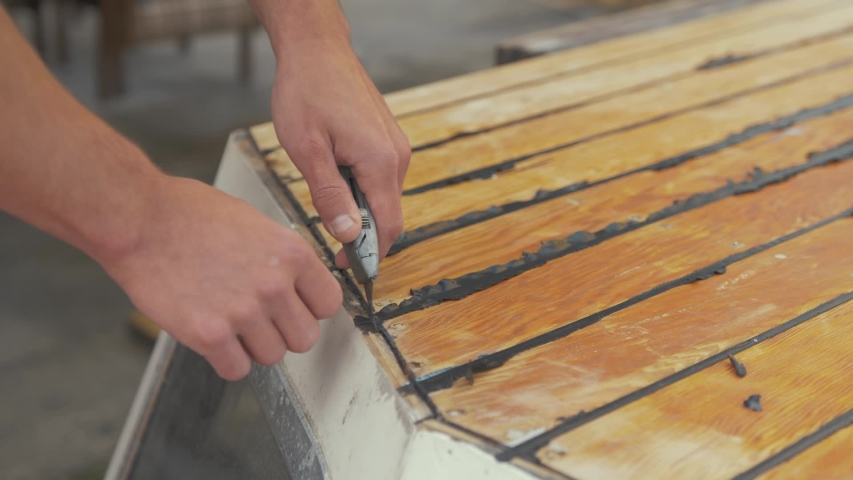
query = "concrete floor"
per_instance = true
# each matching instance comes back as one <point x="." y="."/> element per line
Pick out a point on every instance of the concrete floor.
<point x="69" y="366"/>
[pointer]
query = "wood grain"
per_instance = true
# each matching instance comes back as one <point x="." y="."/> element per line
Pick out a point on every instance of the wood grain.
<point x="633" y="198"/>
<point x="828" y="460"/>
<point x="525" y="102"/>
<point x="645" y="343"/>
<point x="484" y="83"/>
<point x="629" y="149"/>
<point x="577" y="285"/>
<point x="698" y="428"/>
<point x="624" y="111"/>
<point x="607" y="27"/>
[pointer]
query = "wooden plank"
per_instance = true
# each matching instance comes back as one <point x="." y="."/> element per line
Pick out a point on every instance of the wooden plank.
<point x="555" y="95"/>
<point x="633" y="198"/>
<point x="615" y="25"/>
<point x="588" y="281"/>
<point x="625" y="111"/>
<point x="588" y="161"/>
<point x="477" y="84"/>
<point x="699" y="428"/>
<point x="828" y="460"/>
<point x="483" y="83"/>
<point x="649" y="341"/>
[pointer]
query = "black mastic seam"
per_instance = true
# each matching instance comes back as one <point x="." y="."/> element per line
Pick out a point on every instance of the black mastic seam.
<point x="590" y="68"/>
<point x="825" y="431"/>
<point x="443" y="379"/>
<point x="468" y="284"/>
<point x="436" y="229"/>
<point x="491" y="170"/>
<point x="530" y="447"/>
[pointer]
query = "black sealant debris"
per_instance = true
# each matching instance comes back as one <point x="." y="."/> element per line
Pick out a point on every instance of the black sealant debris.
<point x="753" y="403"/>
<point x="468" y="284"/>
<point x="740" y="369"/>
<point x="491" y="170"/>
<point x="721" y="62"/>
<point x="407" y="239"/>
<point x="529" y="448"/>
<point x="444" y="378"/>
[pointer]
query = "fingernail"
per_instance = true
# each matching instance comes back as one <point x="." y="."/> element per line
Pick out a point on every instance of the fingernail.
<point x="341" y="224"/>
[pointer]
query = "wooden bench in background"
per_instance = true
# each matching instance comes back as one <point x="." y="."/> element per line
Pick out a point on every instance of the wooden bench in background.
<point x="630" y="21"/>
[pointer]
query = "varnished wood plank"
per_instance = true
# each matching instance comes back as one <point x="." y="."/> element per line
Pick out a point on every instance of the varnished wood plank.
<point x="624" y="111"/>
<point x="593" y="30"/>
<point x="551" y="96"/>
<point x="649" y="341"/>
<point x="828" y="460"/>
<point x="698" y="427"/>
<point x="588" y="281"/>
<point x="487" y="82"/>
<point x="630" y="198"/>
<point x="608" y="155"/>
<point x="484" y="83"/>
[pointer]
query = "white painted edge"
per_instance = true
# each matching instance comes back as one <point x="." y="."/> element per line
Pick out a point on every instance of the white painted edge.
<point x="360" y="421"/>
<point x="436" y="455"/>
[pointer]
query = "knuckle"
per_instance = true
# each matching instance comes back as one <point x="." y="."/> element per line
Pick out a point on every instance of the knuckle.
<point x="270" y="356"/>
<point x="245" y="313"/>
<point x="306" y="339"/>
<point x="332" y="301"/>
<point x="387" y="157"/>
<point x="273" y="289"/>
<point x="325" y="195"/>
<point x="211" y="335"/>
<point x="309" y="147"/>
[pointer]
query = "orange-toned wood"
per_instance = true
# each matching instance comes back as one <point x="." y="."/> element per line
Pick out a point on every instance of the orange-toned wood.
<point x="644" y="343"/>
<point x="535" y="135"/>
<point x="593" y="279"/>
<point x="737" y="29"/>
<point x="484" y="83"/>
<point x="698" y="428"/>
<point x="621" y="151"/>
<point x="505" y="238"/>
<point x="828" y="460"/>
<point x="524" y="102"/>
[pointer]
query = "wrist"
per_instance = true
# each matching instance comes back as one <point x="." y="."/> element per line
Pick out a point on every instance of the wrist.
<point x="297" y="26"/>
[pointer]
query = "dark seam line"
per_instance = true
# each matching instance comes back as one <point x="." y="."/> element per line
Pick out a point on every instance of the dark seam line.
<point x="825" y="431"/>
<point x="353" y="287"/>
<point x="615" y="61"/>
<point x="709" y="65"/>
<point x="722" y="62"/>
<point x="404" y="366"/>
<point x="490" y="170"/>
<point x="530" y="447"/>
<point x="268" y="151"/>
<point x="413" y="237"/>
<point x="443" y="379"/>
<point x="471" y="283"/>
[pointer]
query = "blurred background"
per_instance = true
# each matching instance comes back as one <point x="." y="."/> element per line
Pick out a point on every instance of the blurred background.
<point x="69" y="362"/>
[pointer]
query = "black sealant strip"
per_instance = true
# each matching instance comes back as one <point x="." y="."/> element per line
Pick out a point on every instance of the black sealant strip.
<point x="614" y="61"/>
<point x="407" y="239"/>
<point x="444" y="378"/>
<point x="529" y="448"/>
<point x="491" y="170"/>
<point x="825" y="431"/>
<point x="722" y="62"/>
<point x="470" y="283"/>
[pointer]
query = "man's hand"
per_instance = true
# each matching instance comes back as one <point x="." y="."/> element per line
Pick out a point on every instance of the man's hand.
<point x="327" y="112"/>
<point x="224" y="279"/>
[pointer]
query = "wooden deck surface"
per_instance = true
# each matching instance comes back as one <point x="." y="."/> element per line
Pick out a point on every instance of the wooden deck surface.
<point x="591" y="233"/>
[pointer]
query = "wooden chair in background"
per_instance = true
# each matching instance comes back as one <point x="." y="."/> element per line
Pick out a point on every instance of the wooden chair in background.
<point x="126" y="23"/>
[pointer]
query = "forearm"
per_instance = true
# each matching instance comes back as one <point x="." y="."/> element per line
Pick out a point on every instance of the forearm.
<point x="61" y="168"/>
<point x="302" y="24"/>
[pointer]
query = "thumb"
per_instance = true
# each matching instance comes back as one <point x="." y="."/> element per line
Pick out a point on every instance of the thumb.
<point x="329" y="192"/>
